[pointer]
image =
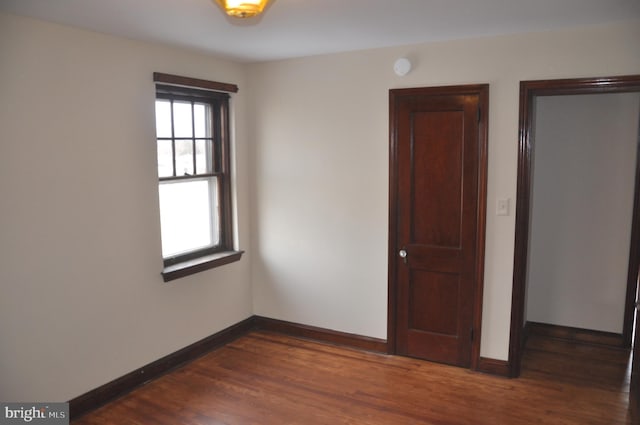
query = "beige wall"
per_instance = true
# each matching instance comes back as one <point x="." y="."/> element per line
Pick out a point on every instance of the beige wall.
<point x="82" y="301"/>
<point x="585" y="163"/>
<point x="321" y="167"/>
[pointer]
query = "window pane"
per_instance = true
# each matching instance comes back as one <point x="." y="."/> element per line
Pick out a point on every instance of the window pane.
<point x="182" y="119"/>
<point x="184" y="157"/>
<point x="201" y="124"/>
<point x="163" y="118"/>
<point x="203" y="157"/>
<point x="189" y="216"/>
<point x="165" y="158"/>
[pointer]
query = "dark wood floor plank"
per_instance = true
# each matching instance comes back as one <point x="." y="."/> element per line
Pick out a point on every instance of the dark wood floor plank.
<point x="266" y="378"/>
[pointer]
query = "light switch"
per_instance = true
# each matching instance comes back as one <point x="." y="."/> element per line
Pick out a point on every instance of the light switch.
<point x="502" y="206"/>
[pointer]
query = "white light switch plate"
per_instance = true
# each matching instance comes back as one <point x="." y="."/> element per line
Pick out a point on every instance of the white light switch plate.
<point x="502" y="206"/>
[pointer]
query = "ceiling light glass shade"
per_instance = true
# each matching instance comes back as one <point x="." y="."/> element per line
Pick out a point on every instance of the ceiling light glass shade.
<point x="243" y="8"/>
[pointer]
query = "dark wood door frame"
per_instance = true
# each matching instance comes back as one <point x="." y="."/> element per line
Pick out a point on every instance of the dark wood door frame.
<point x="482" y="91"/>
<point x="529" y="90"/>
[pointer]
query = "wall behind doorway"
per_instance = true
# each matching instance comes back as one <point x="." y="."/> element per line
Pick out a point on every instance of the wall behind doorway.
<point x="583" y="183"/>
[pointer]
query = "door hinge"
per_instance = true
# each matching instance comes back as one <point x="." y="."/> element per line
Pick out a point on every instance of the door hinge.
<point x="471" y="334"/>
<point x="479" y="114"/>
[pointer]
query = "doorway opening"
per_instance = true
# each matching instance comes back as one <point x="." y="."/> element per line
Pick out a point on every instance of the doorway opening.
<point x="614" y="330"/>
<point x="530" y="92"/>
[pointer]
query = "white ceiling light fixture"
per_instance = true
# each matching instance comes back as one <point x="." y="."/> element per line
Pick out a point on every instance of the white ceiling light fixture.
<point x="402" y="67"/>
<point x="243" y="8"/>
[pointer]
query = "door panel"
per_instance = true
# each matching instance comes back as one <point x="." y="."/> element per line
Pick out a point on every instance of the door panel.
<point x="428" y="293"/>
<point x="436" y="164"/>
<point x="435" y="177"/>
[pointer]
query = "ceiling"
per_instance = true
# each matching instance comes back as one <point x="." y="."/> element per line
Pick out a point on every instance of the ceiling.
<point x="294" y="28"/>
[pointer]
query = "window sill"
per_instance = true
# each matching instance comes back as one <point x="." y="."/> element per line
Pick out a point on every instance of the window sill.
<point x="197" y="265"/>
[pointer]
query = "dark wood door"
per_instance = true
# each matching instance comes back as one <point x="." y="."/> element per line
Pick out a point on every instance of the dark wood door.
<point x="438" y="140"/>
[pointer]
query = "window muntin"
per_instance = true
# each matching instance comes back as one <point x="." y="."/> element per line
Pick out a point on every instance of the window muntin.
<point x="193" y="172"/>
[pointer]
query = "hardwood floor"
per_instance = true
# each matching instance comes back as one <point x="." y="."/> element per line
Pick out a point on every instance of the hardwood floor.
<point x="267" y="378"/>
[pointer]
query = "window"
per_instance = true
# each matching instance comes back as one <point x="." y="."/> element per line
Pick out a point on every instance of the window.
<point x="192" y="131"/>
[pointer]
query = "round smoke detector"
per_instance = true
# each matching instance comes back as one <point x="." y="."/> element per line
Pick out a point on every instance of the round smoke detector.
<point x="402" y="67"/>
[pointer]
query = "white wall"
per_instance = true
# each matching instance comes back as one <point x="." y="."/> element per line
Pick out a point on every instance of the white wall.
<point x="321" y="167"/>
<point x="582" y="202"/>
<point x="82" y="301"/>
